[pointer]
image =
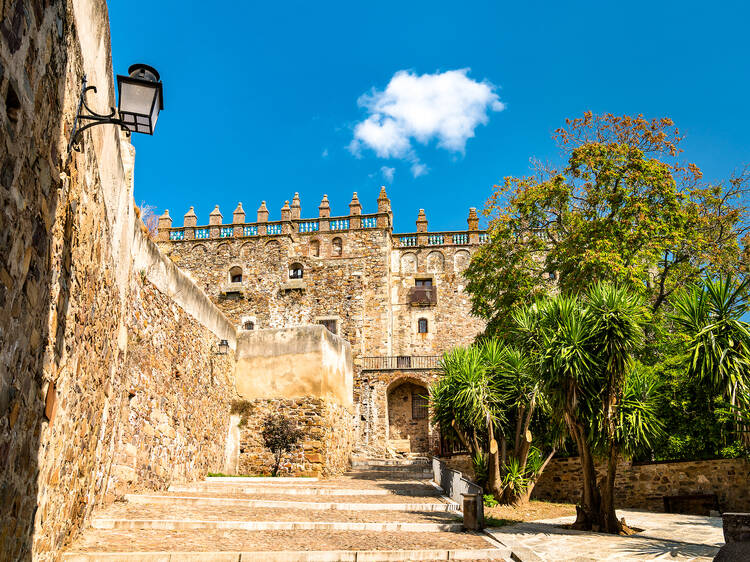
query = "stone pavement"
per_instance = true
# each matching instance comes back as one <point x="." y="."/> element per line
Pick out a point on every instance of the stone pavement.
<point x="379" y="511"/>
<point x="665" y="536"/>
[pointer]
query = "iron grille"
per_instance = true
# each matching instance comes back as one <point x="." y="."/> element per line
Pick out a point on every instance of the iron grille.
<point x="418" y="406"/>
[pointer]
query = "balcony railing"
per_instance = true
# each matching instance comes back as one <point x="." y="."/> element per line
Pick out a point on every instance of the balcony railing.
<point x="397" y="362"/>
<point x="422" y="296"/>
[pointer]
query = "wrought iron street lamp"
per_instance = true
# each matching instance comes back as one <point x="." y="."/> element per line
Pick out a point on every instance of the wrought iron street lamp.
<point x="223" y="347"/>
<point x="141" y="100"/>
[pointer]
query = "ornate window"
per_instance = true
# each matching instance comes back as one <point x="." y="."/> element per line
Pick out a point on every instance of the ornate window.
<point x="235" y="275"/>
<point x="296" y="271"/>
<point x="422" y="325"/>
<point x="418" y="406"/>
<point x="249" y="325"/>
<point x="337" y="246"/>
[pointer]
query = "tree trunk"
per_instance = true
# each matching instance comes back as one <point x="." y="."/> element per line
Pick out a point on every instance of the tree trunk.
<point x="607" y="516"/>
<point x="494" y="482"/>
<point x="523" y="452"/>
<point x="587" y="513"/>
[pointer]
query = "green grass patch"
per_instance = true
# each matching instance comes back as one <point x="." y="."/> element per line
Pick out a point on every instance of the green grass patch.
<point x="495" y="522"/>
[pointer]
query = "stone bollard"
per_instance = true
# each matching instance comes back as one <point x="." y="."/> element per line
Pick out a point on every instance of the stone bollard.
<point x="471" y="511"/>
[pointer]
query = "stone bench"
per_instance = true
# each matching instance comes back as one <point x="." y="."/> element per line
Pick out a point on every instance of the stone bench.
<point x="737" y="537"/>
<point x="691" y="504"/>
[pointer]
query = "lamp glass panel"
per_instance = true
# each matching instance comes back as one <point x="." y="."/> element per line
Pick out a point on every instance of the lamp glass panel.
<point x="155" y="113"/>
<point x="137" y="98"/>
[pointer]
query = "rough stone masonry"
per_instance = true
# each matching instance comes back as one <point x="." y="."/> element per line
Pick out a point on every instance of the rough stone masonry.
<point x="398" y="299"/>
<point x="110" y="375"/>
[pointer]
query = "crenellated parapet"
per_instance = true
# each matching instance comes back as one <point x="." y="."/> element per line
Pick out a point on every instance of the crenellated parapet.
<point x="292" y="223"/>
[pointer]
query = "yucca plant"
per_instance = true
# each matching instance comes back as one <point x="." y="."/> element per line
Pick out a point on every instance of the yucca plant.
<point x="711" y="314"/>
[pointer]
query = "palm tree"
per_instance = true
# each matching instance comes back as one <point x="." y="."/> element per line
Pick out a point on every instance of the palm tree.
<point x="617" y="322"/>
<point x="585" y="350"/>
<point x="718" y="345"/>
<point x="467" y="400"/>
<point x="719" y="340"/>
<point x="489" y="393"/>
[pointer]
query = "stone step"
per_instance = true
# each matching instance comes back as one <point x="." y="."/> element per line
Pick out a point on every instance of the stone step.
<point x="144" y="499"/>
<point x="291" y="491"/>
<point x="252" y="479"/>
<point x="417" y="467"/>
<point x="435" y="497"/>
<point x="187" y="545"/>
<point x="363" y="463"/>
<point x="393" y="473"/>
<point x="201" y="525"/>
<point x="293" y="556"/>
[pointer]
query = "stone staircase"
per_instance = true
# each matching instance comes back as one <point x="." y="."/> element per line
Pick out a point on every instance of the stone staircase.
<point x="384" y="509"/>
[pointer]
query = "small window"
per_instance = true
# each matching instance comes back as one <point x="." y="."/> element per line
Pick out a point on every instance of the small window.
<point x="235" y="275"/>
<point x="423" y="282"/>
<point x="330" y="325"/>
<point x="337" y="247"/>
<point x="315" y="248"/>
<point x="422" y="325"/>
<point x="249" y="325"/>
<point x="418" y="406"/>
<point x="296" y="271"/>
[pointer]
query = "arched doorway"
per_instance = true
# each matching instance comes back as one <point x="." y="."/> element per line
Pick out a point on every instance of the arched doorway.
<point x="408" y="417"/>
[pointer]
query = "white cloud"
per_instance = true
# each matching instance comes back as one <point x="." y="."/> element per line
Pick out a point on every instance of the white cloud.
<point x="325" y="153"/>
<point x="419" y="169"/>
<point x="445" y="107"/>
<point x="387" y="173"/>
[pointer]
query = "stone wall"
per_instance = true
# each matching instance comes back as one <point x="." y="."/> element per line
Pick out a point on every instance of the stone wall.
<point x="175" y="398"/>
<point x="365" y="289"/>
<point x="642" y="486"/>
<point x="324" y="451"/>
<point x="103" y="363"/>
<point x="294" y="362"/>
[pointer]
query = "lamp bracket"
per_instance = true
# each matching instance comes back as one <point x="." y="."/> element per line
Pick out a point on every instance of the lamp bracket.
<point x="91" y="115"/>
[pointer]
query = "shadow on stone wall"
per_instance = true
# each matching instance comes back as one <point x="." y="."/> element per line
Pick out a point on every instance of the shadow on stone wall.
<point x="33" y="65"/>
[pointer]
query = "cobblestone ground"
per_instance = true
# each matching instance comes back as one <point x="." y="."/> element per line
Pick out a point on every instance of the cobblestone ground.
<point x="149" y="524"/>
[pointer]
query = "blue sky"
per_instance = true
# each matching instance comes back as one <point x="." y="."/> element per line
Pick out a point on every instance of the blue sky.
<point x="265" y="99"/>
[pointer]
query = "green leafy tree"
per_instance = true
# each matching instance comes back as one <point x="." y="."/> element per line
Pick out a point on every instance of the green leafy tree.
<point x="622" y="208"/>
<point x="280" y="435"/>
<point x="585" y="347"/>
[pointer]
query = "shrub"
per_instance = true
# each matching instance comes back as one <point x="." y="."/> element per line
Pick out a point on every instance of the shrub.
<point x="280" y="435"/>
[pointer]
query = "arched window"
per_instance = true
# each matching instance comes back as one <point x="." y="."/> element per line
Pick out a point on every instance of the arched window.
<point x="235" y="275"/>
<point x="337" y="246"/>
<point x="249" y="325"/>
<point x="315" y="248"/>
<point x="422" y="326"/>
<point x="296" y="271"/>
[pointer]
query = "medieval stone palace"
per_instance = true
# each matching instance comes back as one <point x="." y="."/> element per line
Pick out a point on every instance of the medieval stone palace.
<point x="398" y="299"/>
